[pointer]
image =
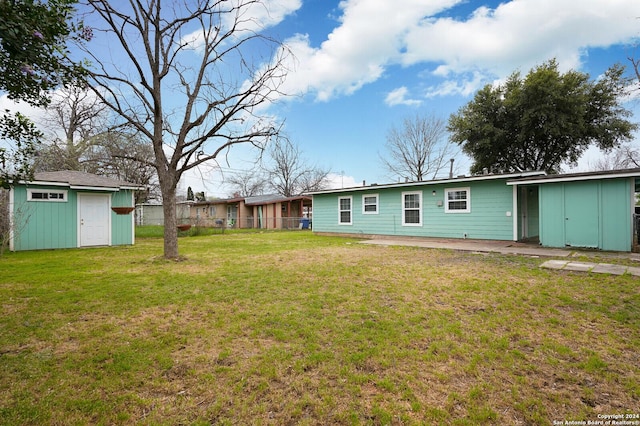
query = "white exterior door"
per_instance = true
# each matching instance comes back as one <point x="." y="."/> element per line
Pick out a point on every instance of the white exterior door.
<point x="94" y="220"/>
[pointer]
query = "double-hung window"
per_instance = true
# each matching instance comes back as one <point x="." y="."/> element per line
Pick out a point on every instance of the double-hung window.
<point x="370" y="204"/>
<point x="344" y="210"/>
<point x="412" y="208"/>
<point x="457" y="200"/>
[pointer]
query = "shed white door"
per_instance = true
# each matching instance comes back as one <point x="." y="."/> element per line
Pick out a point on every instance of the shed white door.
<point x="94" y="220"/>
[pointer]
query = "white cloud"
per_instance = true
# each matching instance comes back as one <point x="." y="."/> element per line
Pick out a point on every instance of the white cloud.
<point x="35" y="114"/>
<point x="252" y="16"/>
<point x="399" y="97"/>
<point x="369" y="38"/>
<point x="490" y="43"/>
<point x="337" y="181"/>
<point x="464" y="86"/>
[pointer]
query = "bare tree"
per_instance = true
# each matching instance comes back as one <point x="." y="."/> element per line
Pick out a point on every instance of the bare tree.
<point x="635" y="63"/>
<point x="625" y="156"/>
<point x="289" y="174"/>
<point x="248" y="184"/>
<point x="186" y="82"/>
<point x="419" y="150"/>
<point x="125" y="157"/>
<point x="74" y="116"/>
<point x="82" y="140"/>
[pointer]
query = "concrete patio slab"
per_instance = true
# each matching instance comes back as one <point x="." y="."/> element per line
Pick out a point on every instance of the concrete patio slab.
<point x="554" y="264"/>
<point x="607" y="268"/>
<point x="633" y="271"/>
<point x="509" y="247"/>
<point x="578" y="266"/>
<point x="481" y="246"/>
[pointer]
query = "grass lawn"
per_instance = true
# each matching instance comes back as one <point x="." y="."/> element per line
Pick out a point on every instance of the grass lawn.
<point x="293" y="328"/>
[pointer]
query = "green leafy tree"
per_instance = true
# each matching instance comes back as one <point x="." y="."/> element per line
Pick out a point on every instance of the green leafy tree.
<point x="15" y="162"/>
<point x="542" y="121"/>
<point x="33" y="60"/>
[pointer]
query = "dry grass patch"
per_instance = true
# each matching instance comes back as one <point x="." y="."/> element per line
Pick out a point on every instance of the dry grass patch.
<point x="296" y="329"/>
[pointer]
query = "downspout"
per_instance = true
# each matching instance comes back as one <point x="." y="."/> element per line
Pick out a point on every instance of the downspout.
<point x="133" y="219"/>
<point x="515" y="212"/>
<point x="11" y="219"/>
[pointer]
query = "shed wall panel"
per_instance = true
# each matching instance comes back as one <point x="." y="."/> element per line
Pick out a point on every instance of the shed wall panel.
<point x="616" y="215"/>
<point x="551" y="198"/>
<point x="122" y="226"/>
<point x="594" y="214"/>
<point x="44" y="224"/>
<point x="582" y="216"/>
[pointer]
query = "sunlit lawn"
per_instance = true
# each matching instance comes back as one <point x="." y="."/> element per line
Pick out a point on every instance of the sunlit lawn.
<point x="293" y="328"/>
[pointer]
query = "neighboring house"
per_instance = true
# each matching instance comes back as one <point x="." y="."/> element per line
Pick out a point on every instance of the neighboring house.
<point x="153" y="214"/>
<point x="262" y="212"/>
<point x="70" y="209"/>
<point x="579" y="210"/>
<point x="149" y="214"/>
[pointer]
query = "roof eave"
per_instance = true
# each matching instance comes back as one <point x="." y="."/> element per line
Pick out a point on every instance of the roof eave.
<point x="573" y="178"/>
<point x="475" y="178"/>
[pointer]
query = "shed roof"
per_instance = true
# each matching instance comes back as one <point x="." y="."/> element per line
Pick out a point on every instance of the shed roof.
<point x="606" y="174"/>
<point x="76" y="179"/>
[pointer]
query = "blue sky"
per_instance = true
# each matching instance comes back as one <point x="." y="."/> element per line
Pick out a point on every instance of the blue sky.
<point x="362" y="66"/>
<point x="365" y="65"/>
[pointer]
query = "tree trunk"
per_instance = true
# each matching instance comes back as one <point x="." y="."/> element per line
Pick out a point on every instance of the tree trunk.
<point x="168" y="189"/>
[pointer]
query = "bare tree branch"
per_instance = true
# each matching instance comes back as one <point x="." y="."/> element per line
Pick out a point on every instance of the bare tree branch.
<point x="289" y="174"/>
<point x="187" y="83"/>
<point x="247" y="184"/>
<point x="419" y="150"/>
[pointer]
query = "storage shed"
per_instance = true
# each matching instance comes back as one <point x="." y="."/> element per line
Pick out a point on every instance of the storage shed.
<point x="69" y="209"/>
<point x="591" y="210"/>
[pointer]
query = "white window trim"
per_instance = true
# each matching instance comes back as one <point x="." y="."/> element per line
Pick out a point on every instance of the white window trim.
<point x="64" y="193"/>
<point x="350" y="198"/>
<point x="377" y="203"/>
<point x="446" y="200"/>
<point x="419" y="193"/>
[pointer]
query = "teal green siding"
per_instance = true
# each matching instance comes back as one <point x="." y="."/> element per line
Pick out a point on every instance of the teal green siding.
<point x="552" y="215"/>
<point x="617" y="213"/>
<point x="41" y="225"/>
<point x="596" y="214"/>
<point x="122" y="225"/>
<point x="581" y="213"/>
<point x="490" y="201"/>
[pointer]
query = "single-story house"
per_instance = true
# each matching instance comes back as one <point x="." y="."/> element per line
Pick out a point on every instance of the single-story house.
<point x="69" y="209"/>
<point x="261" y="212"/>
<point x="594" y="210"/>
